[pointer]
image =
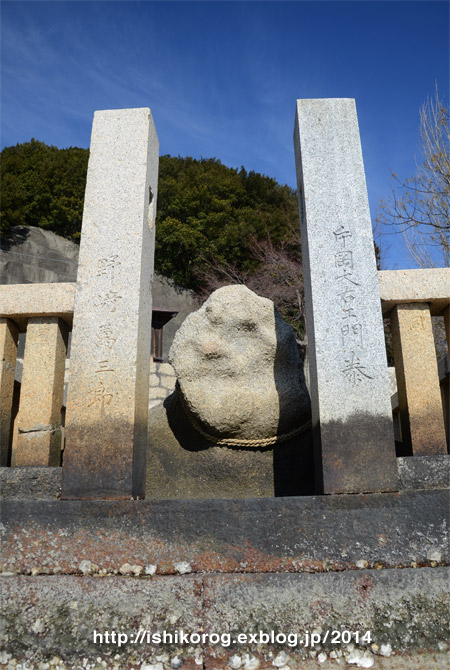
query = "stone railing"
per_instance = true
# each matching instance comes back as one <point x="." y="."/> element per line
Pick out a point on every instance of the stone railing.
<point x="110" y="307"/>
<point x="45" y="312"/>
<point x="410" y="298"/>
<point x="32" y="433"/>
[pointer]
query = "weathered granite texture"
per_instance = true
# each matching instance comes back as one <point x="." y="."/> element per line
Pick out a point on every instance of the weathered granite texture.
<point x="424" y="472"/>
<point x="420" y="403"/>
<point x="348" y="368"/>
<point x="38" y="437"/>
<point x="30" y="254"/>
<point x="36" y="483"/>
<point x="243" y="477"/>
<point x="8" y="350"/>
<point x="108" y="552"/>
<point x="54" y="618"/>
<point x="182" y="464"/>
<point x="22" y="301"/>
<point x="238" y="368"/>
<point x="107" y="405"/>
<point x="402" y="286"/>
<point x="403" y="609"/>
<point x="162" y="382"/>
<point x="294" y="534"/>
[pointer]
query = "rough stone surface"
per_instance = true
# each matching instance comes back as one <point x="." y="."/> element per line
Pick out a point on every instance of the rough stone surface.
<point x="238" y="367"/>
<point x="38" y="439"/>
<point x="107" y="404"/>
<point x="53" y="619"/>
<point x="446" y="384"/>
<point x="424" y="472"/>
<point x="48" y="617"/>
<point x="419" y="395"/>
<point x="162" y="382"/>
<point x="38" y="483"/>
<point x="182" y="464"/>
<point x="431" y="286"/>
<point x="8" y="351"/>
<point x="348" y="368"/>
<point x="30" y="254"/>
<point x="303" y="534"/>
<point x="447" y="327"/>
<point x="19" y="302"/>
<point x="43" y="483"/>
<point x="404" y="609"/>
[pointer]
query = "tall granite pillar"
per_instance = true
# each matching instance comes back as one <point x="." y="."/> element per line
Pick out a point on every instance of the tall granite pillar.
<point x="107" y="405"/>
<point x="8" y="351"/>
<point x="352" y="417"/>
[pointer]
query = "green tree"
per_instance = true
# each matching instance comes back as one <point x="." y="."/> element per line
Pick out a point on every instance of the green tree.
<point x="209" y="214"/>
<point x="43" y="186"/>
<point x="214" y="224"/>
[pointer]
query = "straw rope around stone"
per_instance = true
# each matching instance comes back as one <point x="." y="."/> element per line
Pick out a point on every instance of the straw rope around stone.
<point x="255" y="443"/>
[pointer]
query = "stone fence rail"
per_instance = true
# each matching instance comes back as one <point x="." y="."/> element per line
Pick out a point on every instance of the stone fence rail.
<point x="109" y="311"/>
<point x="408" y="297"/>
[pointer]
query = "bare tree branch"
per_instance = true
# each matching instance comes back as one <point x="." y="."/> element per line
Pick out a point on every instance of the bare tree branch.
<point x="419" y="207"/>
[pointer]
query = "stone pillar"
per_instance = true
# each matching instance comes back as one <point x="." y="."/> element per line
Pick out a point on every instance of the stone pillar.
<point x="8" y="351"/>
<point x="38" y="437"/>
<point x="446" y="393"/>
<point x="107" y="403"/>
<point x="351" y="409"/>
<point x="447" y="327"/>
<point x="419" y="395"/>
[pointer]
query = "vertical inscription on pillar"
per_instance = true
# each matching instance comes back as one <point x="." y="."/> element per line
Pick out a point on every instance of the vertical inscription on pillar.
<point x="106" y="419"/>
<point x="350" y="399"/>
<point x="348" y="298"/>
<point x="101" y="395"/>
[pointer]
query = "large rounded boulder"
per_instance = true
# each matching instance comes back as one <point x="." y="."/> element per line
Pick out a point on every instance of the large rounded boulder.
<point x="239" y="372"/>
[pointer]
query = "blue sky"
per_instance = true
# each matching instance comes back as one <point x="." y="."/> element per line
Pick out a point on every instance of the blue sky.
<point x="221" y="78"/>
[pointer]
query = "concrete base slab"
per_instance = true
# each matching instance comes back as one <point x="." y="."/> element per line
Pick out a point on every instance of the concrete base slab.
<point x="303" y="534"/>
<point x="53" y="619"/>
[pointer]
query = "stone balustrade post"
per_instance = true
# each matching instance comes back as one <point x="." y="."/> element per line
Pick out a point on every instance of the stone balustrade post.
<point x="107" y="404"/>
<point x="447" y="382"/>
<point x="8" y="351"/>
<point x="39" y="433"/>
<point x="419" y="395"/>
<point x="447" y="327"/>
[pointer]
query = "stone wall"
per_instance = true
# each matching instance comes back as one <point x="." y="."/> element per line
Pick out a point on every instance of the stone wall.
<point x="162" y="382"/>
<point x="31" y="255"/>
